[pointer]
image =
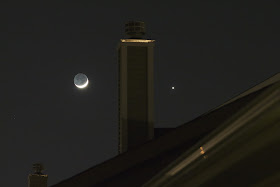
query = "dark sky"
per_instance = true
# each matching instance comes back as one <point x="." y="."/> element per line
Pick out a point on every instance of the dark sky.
<point x="209" y="51"/>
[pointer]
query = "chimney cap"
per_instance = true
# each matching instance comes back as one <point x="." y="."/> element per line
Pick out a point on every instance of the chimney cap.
<point x="135" y="29"/>
<point x="38" y="168"/>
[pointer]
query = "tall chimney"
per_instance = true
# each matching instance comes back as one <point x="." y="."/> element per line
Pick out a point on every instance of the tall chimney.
<point x="37" y="179"/>
<point x="136" y="87"/>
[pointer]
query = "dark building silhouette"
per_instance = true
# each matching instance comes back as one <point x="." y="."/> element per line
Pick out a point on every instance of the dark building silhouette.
<point x="235" y="144"/>
<point x="37" y="179"/>
<point x="136" y="87"/>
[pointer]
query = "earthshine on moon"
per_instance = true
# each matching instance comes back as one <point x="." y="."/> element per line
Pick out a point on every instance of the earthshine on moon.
<point x="81" y="80"/>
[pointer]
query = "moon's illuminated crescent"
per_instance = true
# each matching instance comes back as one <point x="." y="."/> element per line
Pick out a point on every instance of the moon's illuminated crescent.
<point x="81" y="80"/>
<point x="82" y="86"/>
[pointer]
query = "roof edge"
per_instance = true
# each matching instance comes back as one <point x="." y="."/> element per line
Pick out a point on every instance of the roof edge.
<point x="269" y="81"/>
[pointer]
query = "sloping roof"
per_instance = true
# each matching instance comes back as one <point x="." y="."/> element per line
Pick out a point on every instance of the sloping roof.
<point x="139" y="165"/>
<point x="244" y="151"/>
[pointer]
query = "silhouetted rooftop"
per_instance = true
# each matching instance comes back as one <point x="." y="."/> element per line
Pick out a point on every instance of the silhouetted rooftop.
<point x="140" y="164"/>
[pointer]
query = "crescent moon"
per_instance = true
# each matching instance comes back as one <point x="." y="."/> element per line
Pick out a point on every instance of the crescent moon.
<point x="82" y="86"/>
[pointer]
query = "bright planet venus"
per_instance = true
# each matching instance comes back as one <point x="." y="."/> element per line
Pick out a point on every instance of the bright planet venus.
<point x="81" y="80"/>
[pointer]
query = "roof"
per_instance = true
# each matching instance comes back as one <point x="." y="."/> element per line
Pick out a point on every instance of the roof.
<point x="148" y="161"/>
<point x="244" y="151"/>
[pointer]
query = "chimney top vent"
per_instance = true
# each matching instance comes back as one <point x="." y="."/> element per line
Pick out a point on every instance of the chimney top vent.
<point x="135" y="29"/>
<point x="38" y="168"/>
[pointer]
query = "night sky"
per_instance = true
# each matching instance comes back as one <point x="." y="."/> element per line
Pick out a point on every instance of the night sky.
<point x="209" y="51"/>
